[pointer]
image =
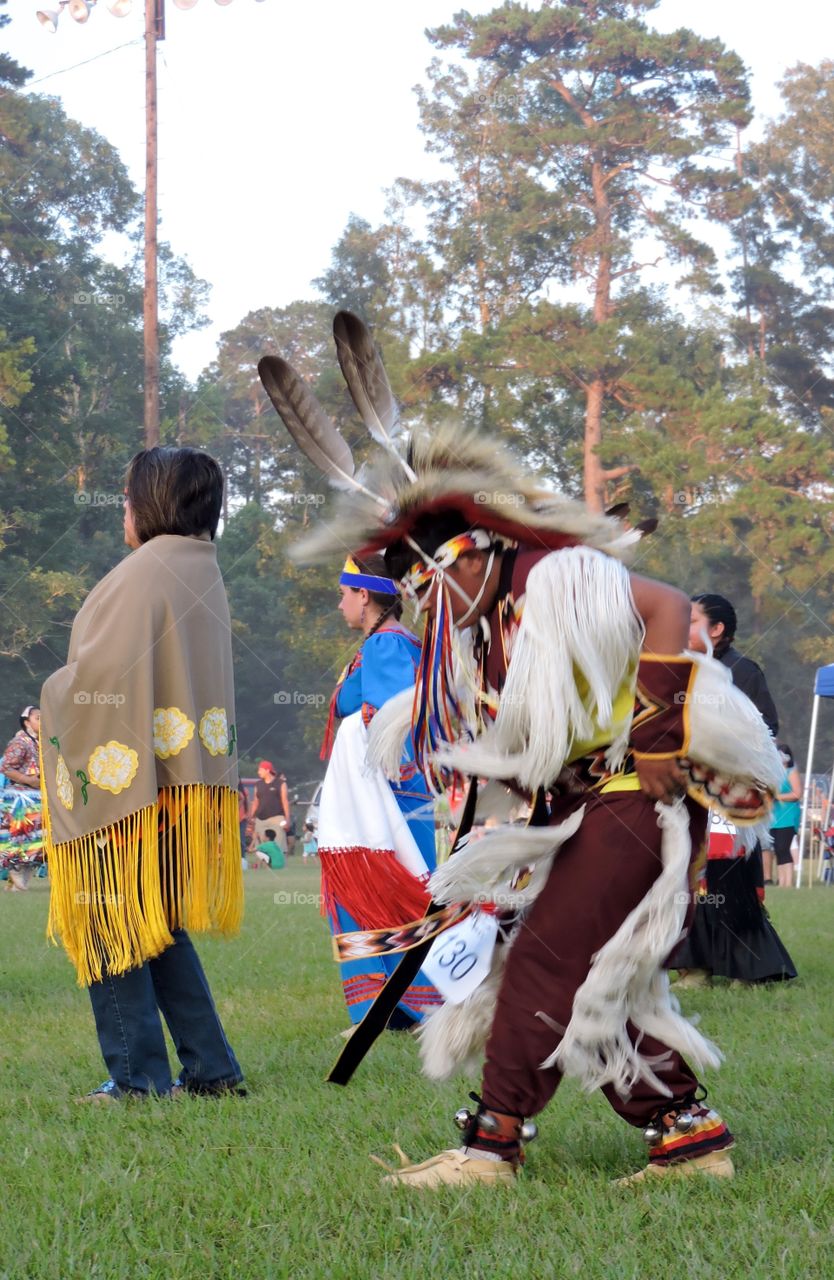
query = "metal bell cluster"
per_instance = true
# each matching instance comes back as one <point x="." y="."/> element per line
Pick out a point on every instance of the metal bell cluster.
<point x="464" y="1119"/>
<point x="654" y="1132"/>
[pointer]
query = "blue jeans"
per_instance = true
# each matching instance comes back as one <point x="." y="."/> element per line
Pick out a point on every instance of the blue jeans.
<point x="127" y="1008"/>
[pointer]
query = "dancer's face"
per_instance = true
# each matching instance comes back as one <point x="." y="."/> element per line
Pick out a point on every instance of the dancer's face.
<point x="468" y="572"/>
<point x="352" y="606"/>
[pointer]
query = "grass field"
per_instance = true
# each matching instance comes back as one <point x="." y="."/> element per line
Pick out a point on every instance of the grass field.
<point x="280" y="1185"/>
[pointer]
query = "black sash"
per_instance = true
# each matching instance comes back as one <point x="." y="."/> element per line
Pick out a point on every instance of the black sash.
<point x="376" y="1019"/>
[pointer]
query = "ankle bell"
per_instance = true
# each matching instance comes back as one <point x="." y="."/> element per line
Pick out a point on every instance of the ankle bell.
<point x="500" y="1126"/>
<point x="657" y="1129"/>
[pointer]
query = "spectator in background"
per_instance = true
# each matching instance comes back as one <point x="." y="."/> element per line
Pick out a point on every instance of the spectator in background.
<point x="268" y="806"/>
<point x="143" y="840"/>
<point x="731" y="934"/>
<point x="785" y="821"/>
<point x="311" y="844"/>
<point x="270" y="852"/>
<point x="21" y="838"/>
<point x="21" y="763"/>
<point x="714" y="618"/>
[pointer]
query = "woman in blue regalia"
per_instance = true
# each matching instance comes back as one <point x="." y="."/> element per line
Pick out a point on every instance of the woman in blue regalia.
<point x="376" y="837"/>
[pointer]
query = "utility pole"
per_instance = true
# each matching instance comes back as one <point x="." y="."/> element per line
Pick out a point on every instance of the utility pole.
<point x="154" y="30"/>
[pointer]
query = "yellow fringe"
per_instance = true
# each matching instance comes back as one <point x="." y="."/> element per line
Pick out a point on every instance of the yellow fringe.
<point x="115" y="899"/>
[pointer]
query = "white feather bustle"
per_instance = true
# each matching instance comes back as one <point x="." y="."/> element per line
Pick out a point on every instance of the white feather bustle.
<point x="626" y="983"/>
<point x="579" y="618"/>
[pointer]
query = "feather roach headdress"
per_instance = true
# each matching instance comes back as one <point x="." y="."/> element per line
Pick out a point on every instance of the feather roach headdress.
<point x="448" y="472"/>
<point x="445" y="470"/>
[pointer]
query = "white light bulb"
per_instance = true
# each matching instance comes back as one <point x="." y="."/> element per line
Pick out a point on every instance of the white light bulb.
<point x="48" y="18"/>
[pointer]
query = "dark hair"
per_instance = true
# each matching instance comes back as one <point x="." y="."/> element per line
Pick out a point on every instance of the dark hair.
<point x="718" y="609"/>
<point x="391" y="606"/>
<point x="269" y="832"/>
<point x="429" y="532"/>
<point x="173" y="490"/>
<point x="785" y="749"/>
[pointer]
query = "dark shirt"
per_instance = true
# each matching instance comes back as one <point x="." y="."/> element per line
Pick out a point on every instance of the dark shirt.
<point x="268" y="795"/>
<point x="749" y="677"/>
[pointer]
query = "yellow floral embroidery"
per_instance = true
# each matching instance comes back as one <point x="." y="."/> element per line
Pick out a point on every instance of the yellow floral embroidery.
<point x="172" y="731"/>
<point x="63" y="785"/>
<point x="214" y="731"/>
<point x="113" y="766"/>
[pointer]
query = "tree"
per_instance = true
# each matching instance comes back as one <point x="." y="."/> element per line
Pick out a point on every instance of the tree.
<point x="582" y="147"/>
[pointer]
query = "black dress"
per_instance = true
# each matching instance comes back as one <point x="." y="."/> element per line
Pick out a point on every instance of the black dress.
<point x="731" y="934"/>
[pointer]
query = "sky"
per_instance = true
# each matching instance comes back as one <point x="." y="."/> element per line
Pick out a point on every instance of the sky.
<point x="277" y="120"/>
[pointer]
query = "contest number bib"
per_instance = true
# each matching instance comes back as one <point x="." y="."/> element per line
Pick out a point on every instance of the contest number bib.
<point x="460" y="958"/>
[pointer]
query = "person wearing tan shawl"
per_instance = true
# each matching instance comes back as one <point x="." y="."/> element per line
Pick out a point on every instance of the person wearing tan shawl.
<point x="140" y="780"/>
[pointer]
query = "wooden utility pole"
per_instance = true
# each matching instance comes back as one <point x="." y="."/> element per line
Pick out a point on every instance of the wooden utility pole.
<point x="154" y="30"/>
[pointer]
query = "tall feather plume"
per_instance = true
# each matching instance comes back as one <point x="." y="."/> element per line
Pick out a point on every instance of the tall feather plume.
<point x="367" y="381"/>
<point x="315" y="433"/>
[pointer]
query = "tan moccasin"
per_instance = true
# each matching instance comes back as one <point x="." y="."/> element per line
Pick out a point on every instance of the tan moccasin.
<point x="450" y="1168"/>
<point x="716" y="1164"/>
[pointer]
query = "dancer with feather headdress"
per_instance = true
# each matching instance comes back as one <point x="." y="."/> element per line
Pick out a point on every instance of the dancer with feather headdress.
<point x="546" y="664"/>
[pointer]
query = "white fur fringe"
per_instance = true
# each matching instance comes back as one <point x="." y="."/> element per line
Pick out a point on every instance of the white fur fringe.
<point x="487" y="867"/>
<point x="727" y="731"/>
<point x="388" y="733"/>
<point x="626" y="983"/>
<point x="453" y="1037"/>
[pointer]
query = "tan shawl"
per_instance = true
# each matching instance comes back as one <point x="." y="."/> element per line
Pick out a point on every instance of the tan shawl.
<point x="139" y="765"/>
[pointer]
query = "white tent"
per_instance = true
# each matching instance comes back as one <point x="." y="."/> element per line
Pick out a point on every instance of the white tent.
<point x="823" y="688"/>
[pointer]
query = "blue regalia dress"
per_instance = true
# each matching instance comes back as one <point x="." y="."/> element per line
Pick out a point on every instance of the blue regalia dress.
<point x="375" y="857"/>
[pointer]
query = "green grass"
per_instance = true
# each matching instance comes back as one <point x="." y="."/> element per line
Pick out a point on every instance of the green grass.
<point x="280" y="1184"/>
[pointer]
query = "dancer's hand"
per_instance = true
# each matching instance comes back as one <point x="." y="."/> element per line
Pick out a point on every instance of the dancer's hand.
<point x="661" y="779"/>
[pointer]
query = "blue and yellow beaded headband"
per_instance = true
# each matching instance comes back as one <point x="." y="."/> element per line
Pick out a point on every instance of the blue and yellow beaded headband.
<point x="352" y="576"/>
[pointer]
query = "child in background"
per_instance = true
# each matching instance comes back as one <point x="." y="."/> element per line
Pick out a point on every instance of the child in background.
<point x="311" y="844"/>
<point x="270" y="852"/>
